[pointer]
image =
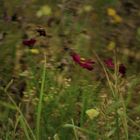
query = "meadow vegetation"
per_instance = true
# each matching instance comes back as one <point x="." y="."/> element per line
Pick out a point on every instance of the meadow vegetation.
<point x="69" y="70"/>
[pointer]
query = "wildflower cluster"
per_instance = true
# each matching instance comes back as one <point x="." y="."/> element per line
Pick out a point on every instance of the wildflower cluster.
<point x="88" y="63"/>
<point x="84" y="63"/>
<point x="114" y="16"/>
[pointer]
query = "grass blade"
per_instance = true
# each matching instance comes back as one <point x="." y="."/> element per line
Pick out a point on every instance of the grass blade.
<point x="39" y="108"/>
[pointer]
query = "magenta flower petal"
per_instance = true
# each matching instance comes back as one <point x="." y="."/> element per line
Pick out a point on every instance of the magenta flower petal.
<point x="87" y="65"/>
<point x="76" y="58"/>
<point x="109" y="63"/>
<point x="29" y="42"/>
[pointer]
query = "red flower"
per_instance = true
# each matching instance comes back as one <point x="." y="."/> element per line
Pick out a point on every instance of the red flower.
<point x="84" y="63"/>
<point x="29" y="42"/>
<point x="76" y="57"/>
<point x="109" y="63"/>
<point x="122" y="69"/>
<point x="87" y="64"/>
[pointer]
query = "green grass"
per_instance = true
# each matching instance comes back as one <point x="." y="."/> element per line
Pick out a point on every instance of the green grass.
<point x="46" y="96"/>
<point x="39" y="108"/>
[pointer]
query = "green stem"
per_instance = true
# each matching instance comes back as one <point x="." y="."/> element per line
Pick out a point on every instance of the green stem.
<point x="39" y="109"/>
<point x="74" y="129"/>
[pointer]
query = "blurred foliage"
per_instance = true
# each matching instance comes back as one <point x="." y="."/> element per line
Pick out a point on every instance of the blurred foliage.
<point x="84" y="26"/>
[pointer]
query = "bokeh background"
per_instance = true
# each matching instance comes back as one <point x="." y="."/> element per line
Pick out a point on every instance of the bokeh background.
<point x="104" y="27"/>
